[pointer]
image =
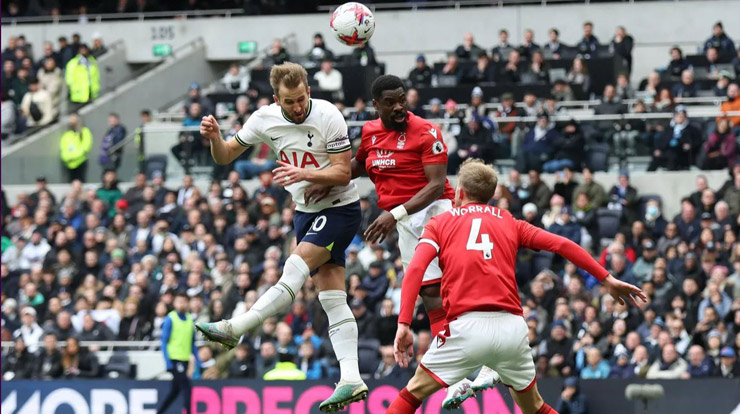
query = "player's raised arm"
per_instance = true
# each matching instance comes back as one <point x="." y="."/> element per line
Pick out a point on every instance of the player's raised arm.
<point x="223" y="152"/>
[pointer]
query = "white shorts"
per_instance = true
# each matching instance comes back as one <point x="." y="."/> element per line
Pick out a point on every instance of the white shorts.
<point x="409" y="231"/>
<point x="495" y="339"/>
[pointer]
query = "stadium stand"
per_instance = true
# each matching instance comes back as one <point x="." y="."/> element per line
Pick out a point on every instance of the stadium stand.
<point x="99" y="260"/>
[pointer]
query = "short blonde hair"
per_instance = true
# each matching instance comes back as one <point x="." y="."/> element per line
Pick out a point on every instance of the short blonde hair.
<point x="290" y="75"/>
<point x="478" y="180"/>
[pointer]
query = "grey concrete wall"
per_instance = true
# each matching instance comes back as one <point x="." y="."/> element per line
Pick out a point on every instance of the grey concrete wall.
<point x="114" y="67"/>
<point x="401" y="34"/>
<point x="39" y="154"/>
<point x="671" y="186"/>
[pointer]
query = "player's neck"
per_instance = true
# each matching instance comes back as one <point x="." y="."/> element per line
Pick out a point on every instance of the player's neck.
<point x="466" y="202"/>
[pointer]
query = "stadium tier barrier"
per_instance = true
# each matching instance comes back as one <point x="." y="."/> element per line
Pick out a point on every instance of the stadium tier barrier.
<point x="303" y="397"/>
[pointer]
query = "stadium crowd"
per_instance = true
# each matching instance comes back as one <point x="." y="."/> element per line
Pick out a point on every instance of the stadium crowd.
<point x="99" y="264"/>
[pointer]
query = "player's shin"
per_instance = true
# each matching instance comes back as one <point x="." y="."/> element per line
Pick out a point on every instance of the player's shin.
<point x="277" y="298"/>
<point x="405" y="403"/>
<point x="342" y="332"/>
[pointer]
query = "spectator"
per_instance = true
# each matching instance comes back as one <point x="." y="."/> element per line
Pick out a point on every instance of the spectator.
<point x="732" y="104"/>
<point x="366" y="322"/>
<point x="700" y="365"/>
<point x="654" y="221"/>
<point x="98" y="48"/>
<point x="421" y="75"/>
<point x="241" y="366"/>
<point x="578" y="75"/>
<point x="49" y="360"/>
<point x="513" y="69"/>
<point x="267" y="358"/>
<point x="500" y="52"/>
<point x="720" y="41"/>
<point x="537" y="146"/>
<point x="482" y="72"/>
<point x="452" y="69"/>
<point x="473" y="141"/>
<point x="376" y="284"/>
<point x="308" y="363"/>
<point x="553" y="46"/>
<point x="669" y="366"/>
<point x="436" y="112"/>
<point x="94" y="331"/>
<point x="79" y="363"/>
<point x="622" y="368"/>
<point x="623" y="196"/>
<point x="236" y="80"/>
<point x="728" y="366"/>
<point x="563" y="226"/>
<point x="30" y="330"/>
<point x="83" y="78"/>
<point x="621" y="47"/>
<point x="676" y="148"/>
<point x="8" y="115"/>
<point x="732" y="195"/>
<point x="111" y="158"/>
<point x="285" y="369"/>
<point x="712" y="60"/>
<point x="571" y="401"/>
<point x="19" y="85"/>
<point x="364" y="55"/>
<point x="687" y="88"/>
<point x="723" y="82"/>
<point x="589" y="44"/>
<point x="194" y="96"/>
<point x="678" y="63"/>
<point x="413" y="104"/>
<point x="109" y="191"/>
<point x="50" y="80"/>
<point x="19" y="362"/>
<point x="720" y="149"/>
<point x="330" y="79"/>
<point x="596" y="368"/>
<point x="529" y="46"/>
<point x="319" y="52"/>
<point x="476" y="107"/>
<point x="468" y="50"/>
<point x="565" y="185"/>
<point x="37" y="105"/>
<point x="75" y="146"/>
<point x="539" y="68"/>
<point x="388" y="368"/>
<point x="610" y="105"/>
<point x="624" y="90"/>
<point x="567" y="150"/>
<point x="277" y="54"/>
<point x="557" y="349"/>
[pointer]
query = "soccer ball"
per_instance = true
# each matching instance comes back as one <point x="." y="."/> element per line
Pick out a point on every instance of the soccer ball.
<point x="353" y="24"/>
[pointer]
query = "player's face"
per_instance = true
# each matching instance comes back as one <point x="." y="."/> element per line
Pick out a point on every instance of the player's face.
<point x="294" y="102"/>
<point x="392" y="108"/>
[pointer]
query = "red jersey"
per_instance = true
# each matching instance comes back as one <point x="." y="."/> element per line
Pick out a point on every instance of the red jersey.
<point x="477" y="246"/>
<point x="395" y="160"/>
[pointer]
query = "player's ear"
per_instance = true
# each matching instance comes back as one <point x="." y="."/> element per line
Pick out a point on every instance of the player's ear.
<point x="308" y="91"/>
<point x="276" y="99"/>
<point x="375" y="105"/>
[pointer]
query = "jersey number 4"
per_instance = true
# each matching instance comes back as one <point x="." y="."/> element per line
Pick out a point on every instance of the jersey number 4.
<point x="485" y="245"/>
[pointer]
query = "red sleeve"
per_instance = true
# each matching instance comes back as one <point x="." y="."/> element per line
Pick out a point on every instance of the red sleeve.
<point x="535" y="238"/>
<point x="412" y="279"/>
<point x="361" y="155"/>
<point x="426" y="251"/>
<point x="433" y="150"/>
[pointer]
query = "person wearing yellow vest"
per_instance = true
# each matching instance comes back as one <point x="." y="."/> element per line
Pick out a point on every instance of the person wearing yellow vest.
<point x="285" y="369"/>
<point x="178" y="343"/>
<point x="82" y="78"/>
<point x="75" y="147"/>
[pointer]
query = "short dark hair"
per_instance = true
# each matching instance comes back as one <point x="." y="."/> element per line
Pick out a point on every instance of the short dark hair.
<point x="556" y="31"/>
<point x="181" y="295"/>
<point x="386" y="83"/>
<point x="146" y="112"/>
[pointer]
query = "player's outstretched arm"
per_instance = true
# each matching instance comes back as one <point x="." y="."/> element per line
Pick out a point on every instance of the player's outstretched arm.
<point x="223" y="152"/>
<point x="403" y="345"/>
<point x="542" y="240"/>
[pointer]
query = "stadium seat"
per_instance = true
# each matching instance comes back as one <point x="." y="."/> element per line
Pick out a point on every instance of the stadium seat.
<point x="597" y="157"/>
<point x="119" y="366"/>
<point x="156" y="163"/>
<point x="608" y="222"/>
<point x="368" y="353"/>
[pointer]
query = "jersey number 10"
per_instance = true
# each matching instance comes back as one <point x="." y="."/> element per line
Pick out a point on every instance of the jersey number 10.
<point x="485" y="245"/>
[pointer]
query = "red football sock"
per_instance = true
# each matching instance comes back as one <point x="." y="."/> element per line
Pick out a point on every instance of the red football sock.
<point x="437" y="320"/>
<point x="405" y="403"/>
<point x="546" y="409"/>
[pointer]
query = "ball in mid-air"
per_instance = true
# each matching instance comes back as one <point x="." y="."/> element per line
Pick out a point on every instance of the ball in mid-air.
<point x="353" y="24"/>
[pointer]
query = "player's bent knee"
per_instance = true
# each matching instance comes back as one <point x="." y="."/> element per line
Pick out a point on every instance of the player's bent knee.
<point x="422" y="385"/>
<point x="314" y="255"/>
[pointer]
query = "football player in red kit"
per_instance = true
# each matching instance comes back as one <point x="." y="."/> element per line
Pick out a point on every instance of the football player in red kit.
<point x="476" y="245"/>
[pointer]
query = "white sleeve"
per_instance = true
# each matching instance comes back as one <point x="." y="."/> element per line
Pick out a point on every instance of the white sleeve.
<point x="251" y="132"/>
<point x="337" y="139"/>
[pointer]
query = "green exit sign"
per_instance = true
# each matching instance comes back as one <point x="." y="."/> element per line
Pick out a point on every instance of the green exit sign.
<point x="248" y="47"/>
<point x="162" y="50"/>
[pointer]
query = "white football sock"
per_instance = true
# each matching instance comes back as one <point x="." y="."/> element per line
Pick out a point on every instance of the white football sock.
<point x="277" y="298"/>
<point x="342" y="332"/>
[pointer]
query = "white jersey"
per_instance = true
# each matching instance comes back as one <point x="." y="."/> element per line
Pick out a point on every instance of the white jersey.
<point x="305" y="145"/>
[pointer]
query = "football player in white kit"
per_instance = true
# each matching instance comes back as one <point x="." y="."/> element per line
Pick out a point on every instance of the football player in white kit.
<point x="309" y="137"/>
